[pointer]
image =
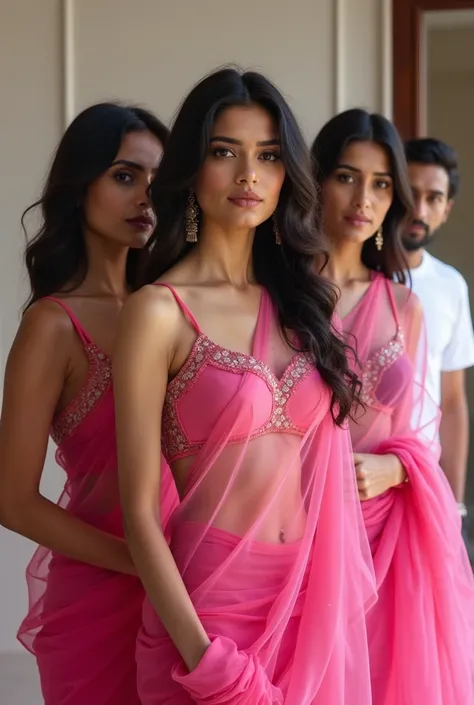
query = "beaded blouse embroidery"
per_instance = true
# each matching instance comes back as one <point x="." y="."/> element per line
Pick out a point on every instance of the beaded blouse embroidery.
<point x="378" y="363"/>
<point x="98" y="380"/>
<point x="175" y="443"/>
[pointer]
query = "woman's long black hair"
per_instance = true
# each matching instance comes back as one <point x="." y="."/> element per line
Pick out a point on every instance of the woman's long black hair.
<point x="305" y="300"/>
<point x="358" y="125"/>
<point x="56" y="255"/>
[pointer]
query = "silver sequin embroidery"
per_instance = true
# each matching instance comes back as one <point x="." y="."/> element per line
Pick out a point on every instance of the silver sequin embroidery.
<point x="175" y="443"/>
<point x="378" y="363"/>
<point x="98" y="380"/>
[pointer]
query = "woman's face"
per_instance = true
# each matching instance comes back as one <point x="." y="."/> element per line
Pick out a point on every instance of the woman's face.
<point x="357" y="195"/>
<point x="239" y="184"/>
<point x="117" y="206"/>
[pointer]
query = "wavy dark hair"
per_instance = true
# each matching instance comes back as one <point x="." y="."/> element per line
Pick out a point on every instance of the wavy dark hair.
<point x="56" y="255"/>
<point x="358" y="125"/>
<point x="305" y="300"/>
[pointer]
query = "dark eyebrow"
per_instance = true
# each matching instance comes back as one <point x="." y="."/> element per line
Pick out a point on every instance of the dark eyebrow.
<point x="358" y="171"/>
<point x="231" y="140"/>
<point x="127" y="162"/>
<point x="431" y="192"/>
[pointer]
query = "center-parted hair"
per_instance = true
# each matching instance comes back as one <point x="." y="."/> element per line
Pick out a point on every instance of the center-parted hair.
<point x="305" y="300"/>
<point x="358" y="125"/>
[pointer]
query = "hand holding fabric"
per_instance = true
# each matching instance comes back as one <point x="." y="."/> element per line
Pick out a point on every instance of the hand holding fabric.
<point x="377" y="473"/>
<point x="226" y="676"/>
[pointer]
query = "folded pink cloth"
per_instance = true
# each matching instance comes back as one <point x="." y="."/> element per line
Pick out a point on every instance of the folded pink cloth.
<point x="226" y="676"/>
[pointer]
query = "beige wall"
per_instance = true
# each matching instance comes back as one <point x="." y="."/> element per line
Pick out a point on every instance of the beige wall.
<point x="31" y="121"/>
<point x="58" y="57"/>
<point x="450" y="118"/>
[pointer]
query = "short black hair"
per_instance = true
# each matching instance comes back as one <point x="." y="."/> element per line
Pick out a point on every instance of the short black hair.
<point x="428" y="150"/>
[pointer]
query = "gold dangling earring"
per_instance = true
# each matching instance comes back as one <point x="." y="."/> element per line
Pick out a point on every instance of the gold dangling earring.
<point x="379" y="239"/>
<point x="191" y="217"/>
<point x="275" y="230"/>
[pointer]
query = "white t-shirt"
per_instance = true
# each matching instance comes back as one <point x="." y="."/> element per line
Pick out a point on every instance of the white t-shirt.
<point x="444" y="296"/>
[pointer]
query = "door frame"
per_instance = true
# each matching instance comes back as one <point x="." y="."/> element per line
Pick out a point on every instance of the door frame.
<point x="407" y="42"/>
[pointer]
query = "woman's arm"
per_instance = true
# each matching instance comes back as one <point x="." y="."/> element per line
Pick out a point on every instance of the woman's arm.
<point x="149" y="328"/>
<point x="35" y="374"/>
<point x="376" y="473"/>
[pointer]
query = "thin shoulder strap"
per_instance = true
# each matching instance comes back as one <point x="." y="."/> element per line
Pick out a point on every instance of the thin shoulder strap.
<point x="74" y="320"/>
<point x="182" y="306"/>
<point x="391" y="296"/>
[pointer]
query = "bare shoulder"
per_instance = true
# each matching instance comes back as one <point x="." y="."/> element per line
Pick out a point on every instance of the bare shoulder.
<point x="46" y="326"/>
<point x="153" y="306"/>
<point x="149" y="331"/>
<point x="41" y="353"/>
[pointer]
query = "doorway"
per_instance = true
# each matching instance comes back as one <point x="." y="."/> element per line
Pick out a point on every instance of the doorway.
<point x="433" y="76"/>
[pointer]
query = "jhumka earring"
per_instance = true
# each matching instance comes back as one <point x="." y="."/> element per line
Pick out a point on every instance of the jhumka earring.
<point x="379" y="239"/>
<point x="275" y="230"/>
<point x="191" y="217"/>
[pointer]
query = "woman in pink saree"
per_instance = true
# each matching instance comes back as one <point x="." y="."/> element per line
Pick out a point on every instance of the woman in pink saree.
<point x="85" y="598"/>
<point x="421" y="630"/>
<point x="229" y="360"/>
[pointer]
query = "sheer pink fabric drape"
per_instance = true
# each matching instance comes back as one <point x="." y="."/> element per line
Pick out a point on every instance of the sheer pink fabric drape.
<point x="421" y="630"/>
<point x="287" y="620"/>
<point x="82" y="621"/>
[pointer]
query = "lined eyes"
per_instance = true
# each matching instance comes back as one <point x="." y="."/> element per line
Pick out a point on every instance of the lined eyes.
<point x="268" y="155"/>
<point x="345" y="178"/>
<point x="123" y="177"/>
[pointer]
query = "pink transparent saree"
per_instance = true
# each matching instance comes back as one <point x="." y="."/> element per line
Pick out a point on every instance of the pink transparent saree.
<point x="421" y="630"/>
<point x="83" y="621"/>
<point x="268" y="537"/>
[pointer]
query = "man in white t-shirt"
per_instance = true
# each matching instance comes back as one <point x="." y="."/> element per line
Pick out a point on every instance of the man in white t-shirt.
<point x="434" y="179"/>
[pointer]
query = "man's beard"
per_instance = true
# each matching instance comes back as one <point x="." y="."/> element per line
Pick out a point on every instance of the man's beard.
<point x="413" y="242"/>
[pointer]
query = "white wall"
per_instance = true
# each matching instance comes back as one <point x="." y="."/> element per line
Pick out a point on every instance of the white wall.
<point x="58" y="57"/>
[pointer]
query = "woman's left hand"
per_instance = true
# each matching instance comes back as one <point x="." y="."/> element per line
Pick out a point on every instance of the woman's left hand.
<point x="377" y="473"/>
